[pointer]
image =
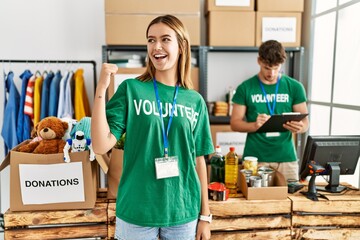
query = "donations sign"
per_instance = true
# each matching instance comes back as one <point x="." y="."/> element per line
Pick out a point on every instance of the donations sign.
<point x="51" y="183"/>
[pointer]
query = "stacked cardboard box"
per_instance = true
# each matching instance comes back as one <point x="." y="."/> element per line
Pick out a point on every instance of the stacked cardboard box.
<point x="279" y="20"/>
<point x="126" y="21"/>
<point x="230" y="22"/>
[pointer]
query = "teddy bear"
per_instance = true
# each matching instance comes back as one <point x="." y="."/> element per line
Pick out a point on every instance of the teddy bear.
<point x="80" y="139"/>
<point x="50" y="131"/>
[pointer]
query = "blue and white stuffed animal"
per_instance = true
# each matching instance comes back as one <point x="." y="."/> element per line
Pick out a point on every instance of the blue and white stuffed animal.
<point x="80" y="139"/>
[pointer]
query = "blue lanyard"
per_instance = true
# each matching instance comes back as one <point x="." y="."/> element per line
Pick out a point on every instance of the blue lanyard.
<point x="165" y="135"/>
<point x="271" y="109"/>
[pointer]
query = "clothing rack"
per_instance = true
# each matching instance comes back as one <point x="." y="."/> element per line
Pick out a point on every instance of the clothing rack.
<point x="56" y="61"/>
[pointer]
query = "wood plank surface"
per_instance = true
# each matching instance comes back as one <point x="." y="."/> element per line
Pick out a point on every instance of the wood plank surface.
<point x="241" y="206"/>
<point x="280" y="234"/>
<point x="326" y="220"/>
<point x="111" y="231"/>
<point x="326" y="234"/>
<point x="49" y="233"/>
<point x="302" y="204"/>
<point x="251" y="222"/>
<point x="36" y="218"/>
<point x="111" y="212"/>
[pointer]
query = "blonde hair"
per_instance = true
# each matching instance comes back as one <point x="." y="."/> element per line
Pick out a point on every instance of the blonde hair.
<point x="184" y="61"/>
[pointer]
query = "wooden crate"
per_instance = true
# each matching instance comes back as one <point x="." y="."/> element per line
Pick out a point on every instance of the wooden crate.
<point x="337" y="217"/>
<point x="238" y="218"/>
<point x="111" y="218"/>
<point x="60" y="224"/>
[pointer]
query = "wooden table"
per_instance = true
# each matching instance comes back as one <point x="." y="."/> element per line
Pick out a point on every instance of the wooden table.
<point x="238" y="218"/>
<point x="337" y="217"/>
<point x="59" y="224"/>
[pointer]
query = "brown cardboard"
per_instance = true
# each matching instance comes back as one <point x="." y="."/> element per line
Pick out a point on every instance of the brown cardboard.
<point x="214" y="128"/>
<point x="152" y="6"/>
<point x="277" y="192"/>
<point x="212" y="6"/>
<point x="138" y="71"/>
<point x="130" y="29"/>
<point x="280" y="5"/>
<point x="115" y="172"/>
<point x="222" y="30"/>
<point x="15" y="158"/>
<point x="261" y="15"/>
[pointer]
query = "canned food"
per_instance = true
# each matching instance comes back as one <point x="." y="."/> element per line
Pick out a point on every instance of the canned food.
<point x="265" y="179"/>
<point x="251" y="163"/>
<point x="255" y="181"/>
<point x="247" y="173"/>
<point x="270" y="172"/>
<point x="218" y="191"/>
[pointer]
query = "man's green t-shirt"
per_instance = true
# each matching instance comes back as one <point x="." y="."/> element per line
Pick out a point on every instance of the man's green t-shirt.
<point x="265" y="147"/>
<point x="142" y="199"/>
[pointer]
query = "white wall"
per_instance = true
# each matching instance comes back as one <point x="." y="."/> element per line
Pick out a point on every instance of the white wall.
<point x="48" y="30"/>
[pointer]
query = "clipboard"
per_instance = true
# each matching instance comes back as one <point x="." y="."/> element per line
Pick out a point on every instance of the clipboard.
<point x="275" y="122"/>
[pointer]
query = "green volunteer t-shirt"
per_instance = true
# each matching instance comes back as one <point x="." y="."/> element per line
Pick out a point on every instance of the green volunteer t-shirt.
<point x="143" y="199"/>
<point x="269" y="148"/>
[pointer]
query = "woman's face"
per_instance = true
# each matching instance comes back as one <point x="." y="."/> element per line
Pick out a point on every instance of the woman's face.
<point x="163" y="47"/>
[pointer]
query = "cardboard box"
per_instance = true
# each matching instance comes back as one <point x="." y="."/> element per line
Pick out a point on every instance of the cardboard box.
<point x="277" y="192"/>
<point x="130" y="29"/>
<point x="45" y="182"/>
<point x="283" y="27"/>
<point x="152" y="6"/>
<point x="223" y="32"/>
<point x="280" y="5"/>
<point x="115" y="172"/>
<point x="126" y="73"/>
<point x="229" y="5"/>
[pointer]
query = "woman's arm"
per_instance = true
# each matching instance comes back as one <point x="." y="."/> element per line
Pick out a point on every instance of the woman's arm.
<point x="203" y="230"/>
<point x="101" y="137"/>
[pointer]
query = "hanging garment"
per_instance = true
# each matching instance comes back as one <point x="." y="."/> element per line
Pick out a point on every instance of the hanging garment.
<point x="23" y="121"/>
<point x="54" y="94"/>
<point x="45" y="95"/>
<point x="65" y="108"/>
<point x="11" y="111"/>
<point x="62" y="94"/>
<point x="29" y="99"/>
<point x="81" y="101"/>
<point x="37" y="97"/>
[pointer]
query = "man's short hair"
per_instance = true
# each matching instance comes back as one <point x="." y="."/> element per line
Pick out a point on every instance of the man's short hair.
<point x="272" y="53"/>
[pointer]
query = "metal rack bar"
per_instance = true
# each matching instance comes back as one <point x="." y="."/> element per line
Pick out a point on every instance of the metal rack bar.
<point x="56" y="61"/>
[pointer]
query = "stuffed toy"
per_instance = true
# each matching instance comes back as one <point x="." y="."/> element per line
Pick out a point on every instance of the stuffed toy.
<point x="49" y="133"/>
<point x="71" y="123"/>
<point x="80" y="139"/>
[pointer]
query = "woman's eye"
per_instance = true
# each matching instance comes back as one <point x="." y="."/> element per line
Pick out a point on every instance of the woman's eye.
<point x="150" y="40"/>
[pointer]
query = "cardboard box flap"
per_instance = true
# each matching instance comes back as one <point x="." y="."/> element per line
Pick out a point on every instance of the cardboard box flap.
<point x="104" y="161"/>
<point x="5" y="163"/>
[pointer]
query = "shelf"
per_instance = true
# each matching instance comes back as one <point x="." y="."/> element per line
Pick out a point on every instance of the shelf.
<point x="219" y="119"/>
<point x="248" y="49"/>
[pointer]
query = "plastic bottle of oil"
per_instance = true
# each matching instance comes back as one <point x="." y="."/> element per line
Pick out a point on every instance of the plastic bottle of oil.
<point x="217" y="173"/>
<point x="231" y="171"/>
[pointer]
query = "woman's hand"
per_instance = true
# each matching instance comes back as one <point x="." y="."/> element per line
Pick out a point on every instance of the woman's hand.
<point x="107" y="69"/>
<point x="203" y="231"/>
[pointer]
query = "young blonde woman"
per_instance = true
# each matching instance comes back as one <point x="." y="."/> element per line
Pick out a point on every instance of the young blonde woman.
<point x="163" y="189"/>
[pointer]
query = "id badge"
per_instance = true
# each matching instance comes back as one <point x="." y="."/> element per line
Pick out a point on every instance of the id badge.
<point x="272" y="134"/>
<point x="166" y="167"/>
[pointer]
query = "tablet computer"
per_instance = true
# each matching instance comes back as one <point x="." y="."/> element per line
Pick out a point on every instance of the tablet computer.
<point x="276" y="121"/>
